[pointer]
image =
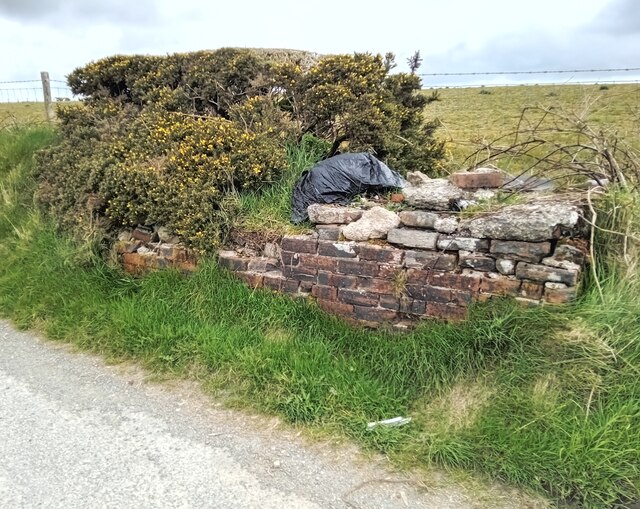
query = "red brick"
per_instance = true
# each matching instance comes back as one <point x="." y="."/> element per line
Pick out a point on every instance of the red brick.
<point x="502" y="285"/>
<point x="381" y="254"/>
<point x="252" y="279"/>
<point x="531" y="290"/>
<point x="187" y="266"/>
<point x="430" y="260"/>
<point x="403" y="304"/>
<point x="263" y="264"/>
<point x="289" y="258"/>
<point x="133" y="260"/>
<point x="274" y="281"/>
<point x="557" y="293"/>
<point x="465" y="282"/>
<point x="300" y="273"/>
<point x="429" y="293"/>
<point x="337" y="280"/>
<point x="337" y="249"/>
<point x="299" y="244"/>
<point x="305" y="287"/>
<point x="360" y="298"/>
<point x="358" y="268"/>
<point x="232" y="261"/>
<point x="461" y="298"/>
<point x="386" y="271"/>
<point x="477" y="179"/>
<point x="370" y="314"/>
<point x="527" y="251"/>
<point x="324" y="292"/>
<point x="144" y="234"/>
<point x="338" y="308"/>
<point x="377" y="285"/>
<point x="318" y="262"/>
<point x="447" y="312"/>
<point x="290" y="286"/>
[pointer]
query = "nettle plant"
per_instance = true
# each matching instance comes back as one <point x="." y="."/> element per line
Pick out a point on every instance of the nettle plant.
<point x="166" y="140"/>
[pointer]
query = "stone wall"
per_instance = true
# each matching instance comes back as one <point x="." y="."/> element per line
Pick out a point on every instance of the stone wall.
<point x="373" y="265"/>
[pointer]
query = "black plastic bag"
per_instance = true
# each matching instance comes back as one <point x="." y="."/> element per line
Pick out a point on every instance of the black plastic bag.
<point x="339" y="179"/>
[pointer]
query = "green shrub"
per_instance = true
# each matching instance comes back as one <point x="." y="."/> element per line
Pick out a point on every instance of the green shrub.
<point x="166" y="139"/>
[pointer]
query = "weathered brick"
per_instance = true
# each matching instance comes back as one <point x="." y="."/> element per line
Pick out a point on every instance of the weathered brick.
<point x="403" y="304"/>
<point x="544" y="273"/>
<point x="289" y="258"/>
<point x="500" y="285"/>
<point x="324" y="292"/>
<point x="477" y="179"/>
<point x="381" y="254"/>
<point x="133" y="260"/>
<point x="337" y="280"/>
<point x="413" y="238"/>
<point x="337" y="308"/>
<point x="466" y="282"/>
<point x="337" y="249"/>
<point x="232" y="261"/>
<point x="429" y="293"/>
<point x="252" y="279"/>
<point x="461" y="298"/>
<point x="477" y="261"/>
<point x="559" y="293"/>
<point x="447" y="243"/>
<point x="299" y="244"/>
<point x="358" y="268"/>
<point x="274" y="280"/>
<point x="531" y="289"/>
<point x="377" y="285"/>
<point x="328" y="232"/>
<point x="263" y="264"/>
<point x="290" y="285"/>
<point x="359" y="297"/>
<point x="144" y="234"/>
<point x="430" y="260"/>
<point x="187" y="266"/>
<point x="318" y="262"/>
<point x="300" y="273"/>
<point x="449" y="312"/>
<point x="526" y="251"/>
<point x="374" y="314"/>
<point x="388" y="271"/>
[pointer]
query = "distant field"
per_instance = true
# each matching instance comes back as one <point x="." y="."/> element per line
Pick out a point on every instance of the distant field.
<point x="469" y="115"/>
<point x="21" y="113"/>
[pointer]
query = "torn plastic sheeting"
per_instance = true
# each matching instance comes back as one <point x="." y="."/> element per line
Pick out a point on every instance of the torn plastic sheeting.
<point x="339" y="179"/>
<point x="395" y="421"/>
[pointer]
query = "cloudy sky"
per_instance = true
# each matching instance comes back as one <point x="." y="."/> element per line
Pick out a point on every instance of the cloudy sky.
<point x="452" y="35"/>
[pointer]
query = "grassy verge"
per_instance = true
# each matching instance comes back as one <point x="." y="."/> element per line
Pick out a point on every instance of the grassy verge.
<point x="543" y="398"/>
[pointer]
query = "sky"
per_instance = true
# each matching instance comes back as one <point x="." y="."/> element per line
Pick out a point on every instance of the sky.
<point x="451" y="35"/>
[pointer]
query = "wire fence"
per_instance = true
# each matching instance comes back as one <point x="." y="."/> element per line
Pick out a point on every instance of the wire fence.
<point x="22" y="91"/>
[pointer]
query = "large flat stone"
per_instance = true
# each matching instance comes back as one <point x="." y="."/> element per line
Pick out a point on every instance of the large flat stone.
<point x="332" y="214"/>
<point x="413" y="238"/>
<point x="375" y="223"/>
<point x="435" y="194"/>
<point x="529" y="222"/>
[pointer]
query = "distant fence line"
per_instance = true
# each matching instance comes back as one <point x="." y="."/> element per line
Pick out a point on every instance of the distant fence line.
<point x="17" y="91"/>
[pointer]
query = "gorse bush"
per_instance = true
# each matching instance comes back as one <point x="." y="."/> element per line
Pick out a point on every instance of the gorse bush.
<point x="167" y="139"/>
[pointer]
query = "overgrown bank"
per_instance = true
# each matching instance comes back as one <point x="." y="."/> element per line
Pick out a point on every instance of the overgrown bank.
<point x="544" y="398"/>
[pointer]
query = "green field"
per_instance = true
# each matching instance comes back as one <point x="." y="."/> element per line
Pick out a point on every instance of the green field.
<point x="21" y="113"/>
<point x="470" y="115"/>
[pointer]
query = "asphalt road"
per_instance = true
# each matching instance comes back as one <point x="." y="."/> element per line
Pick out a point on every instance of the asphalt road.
<point x="77" y="433"/>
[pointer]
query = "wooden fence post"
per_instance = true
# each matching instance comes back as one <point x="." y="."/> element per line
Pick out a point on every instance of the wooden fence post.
<point x="46" y="91"/>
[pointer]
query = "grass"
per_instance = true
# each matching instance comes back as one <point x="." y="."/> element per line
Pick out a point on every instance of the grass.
<point x="543" y="398"/>
<point x="22" y="113"/>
